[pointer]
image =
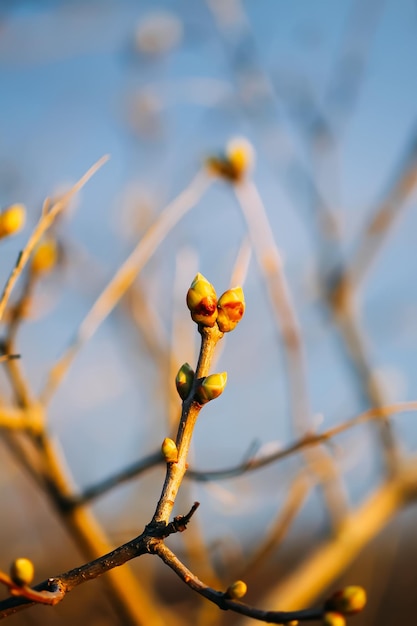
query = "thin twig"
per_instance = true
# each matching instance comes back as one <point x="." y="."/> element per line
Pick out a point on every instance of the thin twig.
<point x="221" y="599"/>
<point x="45" y="221"/>
<point x="249" y="464"/>
<point x="126" y="275"/>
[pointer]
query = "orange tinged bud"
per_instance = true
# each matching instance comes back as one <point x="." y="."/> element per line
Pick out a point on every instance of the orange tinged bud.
<point x="231" y="307"/>
<point x="22" y="571"/>
<point x="236" y="590"/>
<point x="202" y="301"/>
<point x="12" y="220"/>
<point x="333" y="619"/>
<point x="348" y="600"/>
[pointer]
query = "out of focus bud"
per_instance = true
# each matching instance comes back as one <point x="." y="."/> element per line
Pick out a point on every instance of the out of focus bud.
<point x="202" y="301"/>
<point x="22" y="571"/>
<point x="169" y="450"/>
<point x="241" y="156"/>
<point x="184" y="380"/>
<point x="45" y="256"/>
<point x="236" y="590"/>
<point x="236" y="162"/>
<point x="333" y="619"/>
<point x="210" y="387"/>
<point x="231" y="307"/>
<point x="12" y="219"/>
<point x="348" y="600"/>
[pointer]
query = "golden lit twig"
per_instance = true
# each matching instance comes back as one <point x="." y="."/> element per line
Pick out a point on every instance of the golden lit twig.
<point x="126" y="275"/>
<point x="47" y="218"/>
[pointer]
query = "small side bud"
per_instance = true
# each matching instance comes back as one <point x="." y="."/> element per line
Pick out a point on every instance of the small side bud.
<point x="348" y="601"/>
<point x="231" y="307"/>
<point x="169" y="450"/>
<point x="12" y="220"/>
<point x="184" y="380"/>
<point x="210" y="387"/>
<point x="333" y="619"/>
<point x="22" y="571"/>
<point x="202" y="301"/>
<point x="236" y="590"/>
<point x="45" y="256"/>
<point x="241" y="156"/>
<point x="237" y="160"/>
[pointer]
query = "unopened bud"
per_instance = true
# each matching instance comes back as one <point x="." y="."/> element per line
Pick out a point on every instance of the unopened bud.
<point x="231" y="307"/>
<point x="202" y="301"/>
<point x="348" y="600"/>
<point x="333" y="619"/>
<point x="184" y="380"/>
<point x="12" y="220"/>
<point x="44" y="256"/>
<point x="22" y="571"/>
<point x="169" y="450"/>
<point x="241" y="156"/>
<point x="210" y="387"/>
<point x="236" y="590"/>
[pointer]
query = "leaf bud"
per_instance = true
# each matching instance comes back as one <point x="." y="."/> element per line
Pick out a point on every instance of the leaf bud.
<point x="236" y="590"/>
<point x="202" y="301"/>
<point x="210" y="387"/>
<point x="45" y="256"/>
<point x="184" y="380"/>
<point x="348" y="600"/>
<point x="169" y="450"/>
<point x="22" y="571"/>
<point x="333" y="619"/>
<point x="231" y="307"/>
<point x="12" y="219"/>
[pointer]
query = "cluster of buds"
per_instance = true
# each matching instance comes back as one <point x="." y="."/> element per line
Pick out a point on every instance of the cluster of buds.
<point x="207" y="310"/>
<point x="346" y="601"/>
<point x="22" y="572"/>
<point x="207" y="388"/>
<point x="237" y="160"/>
<point x="12" y="220"/>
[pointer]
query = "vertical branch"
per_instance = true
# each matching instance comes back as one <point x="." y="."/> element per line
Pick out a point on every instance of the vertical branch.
<point x="270" y="263"/>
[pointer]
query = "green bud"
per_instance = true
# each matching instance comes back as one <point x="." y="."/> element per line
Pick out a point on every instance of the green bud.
<point x="333" y="619"/>
<point x="169" y="450"/>
<point x="210" y="387"/>
<point x="22" y="572"/>
<point x="231" y="307"/>
<point x="202" y="301"/>
<point x="236" y="590"/>
<point x="348" y="600"/>
<point x="184" y="380"/>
